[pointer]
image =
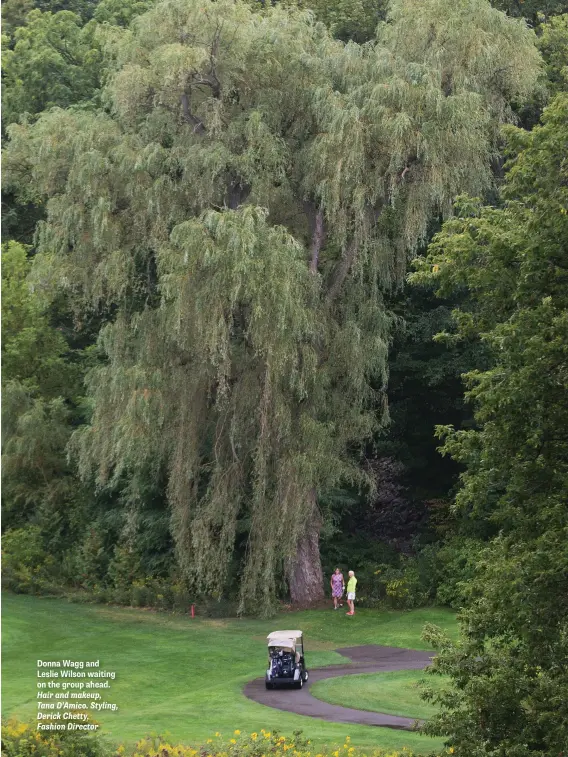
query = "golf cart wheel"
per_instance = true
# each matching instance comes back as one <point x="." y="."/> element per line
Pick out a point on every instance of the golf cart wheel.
<point x="306" y="675"/>
<point x="300" y="683"/>
<point x="269" y="685"/>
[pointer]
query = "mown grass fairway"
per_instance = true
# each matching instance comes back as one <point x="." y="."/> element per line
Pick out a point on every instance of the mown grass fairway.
<point x="396" y="693"/>
<point x="184" y="677"/>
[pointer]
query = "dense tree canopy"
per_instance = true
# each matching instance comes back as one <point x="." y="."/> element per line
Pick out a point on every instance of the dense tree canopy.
<point x="40" y="384"/>
<point x="200" y="334"/>
<point x="55" y="61"/>
<point x="510" y="672"/>
<point x="250" y="191"/>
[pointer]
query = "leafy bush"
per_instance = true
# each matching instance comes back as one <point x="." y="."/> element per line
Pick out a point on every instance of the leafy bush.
<point x="23" y="740"/>
<point x="399" y="587"/>
<point x="453" y="568"/>
<point x="26" y="567"/>
<point x="266" y="743"/>
<point x="89" y="563"/>
<point x="442" y="574"/>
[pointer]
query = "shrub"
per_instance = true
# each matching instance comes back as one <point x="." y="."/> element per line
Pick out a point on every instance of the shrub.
<point x="265" y="743"/>
<point x="90" y="563"/>
<point x="401" y="587"/>
<point x="23" y="740"/>
<point x="442" y="574"/>
<point x="455" y="569"/>
<point x="26" y="567"/>
<point x="406" y="585"/>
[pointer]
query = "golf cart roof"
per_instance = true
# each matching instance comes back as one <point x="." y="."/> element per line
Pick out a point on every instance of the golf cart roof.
<point x="284" y="639"/>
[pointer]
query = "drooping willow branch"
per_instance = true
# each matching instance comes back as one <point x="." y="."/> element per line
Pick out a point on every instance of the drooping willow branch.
<point x="318" y="239"/>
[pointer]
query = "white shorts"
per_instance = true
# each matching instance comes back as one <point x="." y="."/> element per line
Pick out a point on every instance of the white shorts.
<point x="351" y="595"/>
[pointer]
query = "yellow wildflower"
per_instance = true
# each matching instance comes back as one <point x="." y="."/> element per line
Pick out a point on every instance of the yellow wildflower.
<point x="254" y="736"/>
<point x="217" y="733"/>
<point x="451" y="750"/>
<point x="209" y="741"/>
<point x="237" y="733"/>
<point x="233" y="741"/>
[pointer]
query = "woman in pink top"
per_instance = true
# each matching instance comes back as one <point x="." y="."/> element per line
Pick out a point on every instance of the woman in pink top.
<point x="337" y="588"/>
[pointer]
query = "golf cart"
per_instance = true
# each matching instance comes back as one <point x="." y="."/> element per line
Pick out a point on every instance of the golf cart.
<point x="286" y="665"/>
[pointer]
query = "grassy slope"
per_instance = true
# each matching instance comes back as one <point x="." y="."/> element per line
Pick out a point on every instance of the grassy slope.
<point x="184" y="677"/>
<point x="396" y="693"/>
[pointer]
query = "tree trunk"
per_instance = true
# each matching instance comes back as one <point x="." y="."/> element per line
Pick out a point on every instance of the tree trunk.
<point x="305" y="574"/>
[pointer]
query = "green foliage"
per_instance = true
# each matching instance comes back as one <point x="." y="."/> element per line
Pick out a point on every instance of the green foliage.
<point x="510" y="672"/>
<point x="532" y="10"/>
<point x="26" y="567"/>
<point x="36" y="473"/>
<point x="55" y="60"/>
<point x="355" y="20"/>
<point x="553" y="44"/>
<point x="23" y="740"/>
<point x="246" y="361"/>
<point x="452" y="569"/>
<point x="14" y="12"/>
<point x="120" y="12"/>
<point x="40" y="382"/>
<point x="33" y="352"/>
<point x="444" y="574"/>
<point x="402" y="587"/>
<point x="43" y="504"/>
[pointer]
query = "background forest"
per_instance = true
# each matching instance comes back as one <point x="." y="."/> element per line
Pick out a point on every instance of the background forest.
<point x="285" y="288"/>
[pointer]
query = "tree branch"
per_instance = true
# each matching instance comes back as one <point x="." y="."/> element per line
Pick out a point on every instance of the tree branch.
<point x="342" y="269"/>
<point x="188" y="117"/>
<point x="318" y="238"/>
<point x="213" y="78"/>
<point x="412" y="161"/>
<point x="210" y="79"/>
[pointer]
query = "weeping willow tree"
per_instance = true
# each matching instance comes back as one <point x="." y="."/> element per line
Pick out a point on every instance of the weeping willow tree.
<point x="237" y="209"/>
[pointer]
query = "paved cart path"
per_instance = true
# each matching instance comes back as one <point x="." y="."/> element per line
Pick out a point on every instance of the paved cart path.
<point x="366" y="659"/>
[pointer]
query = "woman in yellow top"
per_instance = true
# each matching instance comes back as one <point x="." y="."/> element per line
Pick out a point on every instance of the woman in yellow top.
<point x="351" y="587"/>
